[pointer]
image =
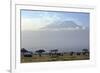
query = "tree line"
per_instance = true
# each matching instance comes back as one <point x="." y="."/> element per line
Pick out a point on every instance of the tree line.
<point x="53" y="52"/>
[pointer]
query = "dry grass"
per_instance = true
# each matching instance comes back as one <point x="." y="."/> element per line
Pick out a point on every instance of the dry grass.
<point x="47" y="58"/>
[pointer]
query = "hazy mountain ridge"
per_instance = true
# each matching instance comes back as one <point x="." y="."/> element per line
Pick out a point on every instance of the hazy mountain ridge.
<point x="64" y="25"/>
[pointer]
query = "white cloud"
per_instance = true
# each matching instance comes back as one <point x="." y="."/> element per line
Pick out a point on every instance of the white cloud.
<point x="32" y="24"/>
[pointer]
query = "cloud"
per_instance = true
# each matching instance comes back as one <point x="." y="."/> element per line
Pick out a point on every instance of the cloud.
<point x="33" y="23"/>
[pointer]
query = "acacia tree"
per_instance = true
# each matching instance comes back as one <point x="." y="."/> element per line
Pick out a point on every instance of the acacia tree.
<point x="85" y="51"/>
<point x="23" y="50"/>
<point x="40" y="52"/>
<point x="53" y="52"/>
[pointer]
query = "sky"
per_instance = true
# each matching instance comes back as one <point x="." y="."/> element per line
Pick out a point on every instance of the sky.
<point x="67" y="31"/>
<point x="34" y="20"/>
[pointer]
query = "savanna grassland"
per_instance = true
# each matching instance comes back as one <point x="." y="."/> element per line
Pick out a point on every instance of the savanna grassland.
<point x="48" y="58"/>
